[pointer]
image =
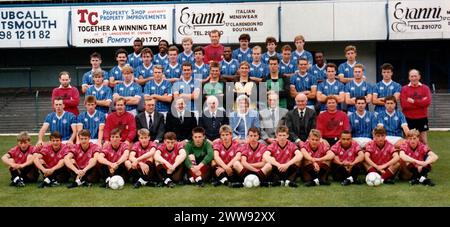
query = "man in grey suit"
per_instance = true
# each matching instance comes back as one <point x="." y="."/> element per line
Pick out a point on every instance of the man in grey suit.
<point x="151" y="120"/>
<point x="300" y="120"/>
<point x="271" y="117"/>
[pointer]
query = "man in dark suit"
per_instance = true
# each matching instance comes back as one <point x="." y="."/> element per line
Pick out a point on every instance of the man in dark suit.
<point x="181" y="121"/>
<point x="151" y="120"/>
<point x="213" y="118"/>
<point x="271" y="117"/>
<point x="300" y="120"/>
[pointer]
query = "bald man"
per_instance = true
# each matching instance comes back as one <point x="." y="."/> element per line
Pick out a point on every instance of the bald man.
<point x="300" y="120"/>
<point x="213" y="118"/>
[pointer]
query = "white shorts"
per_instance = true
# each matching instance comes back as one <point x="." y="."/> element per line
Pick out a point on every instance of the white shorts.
<point x="362" y="141"/>
<point x="94" y="141"/>
<point x="393" y="139"/>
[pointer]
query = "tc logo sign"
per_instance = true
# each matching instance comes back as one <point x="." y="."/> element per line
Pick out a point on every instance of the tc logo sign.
<point x="92" y="17"/>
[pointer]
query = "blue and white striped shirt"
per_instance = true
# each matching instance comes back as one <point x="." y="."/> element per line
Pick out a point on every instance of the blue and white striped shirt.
<point x="327" y="88"/>
<point x="259" y="71"/>
<point x="266" y="56"/>
<point x="383" y="90"/>
<point x="128" y="90"/>
<point x="229" y="68"/>
<point x="319" y="73"/>
<point x="91" y="123"/>
<point x="62" y="124"/>
<point x="158" y="60"/>
<point x="241" y="56"/>
<point x="287" y="68"/>
<point x="362" y="125"/>
<point x="143" y="71"/>
<point x="200" y="71"/>
<point x="304" y="83"/>
<point x="89" y="80"/>
<point x="163" y="88"/>
<point x="172" y="71"/>
<point x="356" y="90"/>
<point x="182" y="57"/>
<point x="134" y="60"/>
<point x="102" y="93"/>
<point x="304" y="54"/>
<point x="392" y="122"/>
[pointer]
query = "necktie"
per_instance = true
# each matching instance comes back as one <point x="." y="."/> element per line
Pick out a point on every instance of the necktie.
<point x="301" y="114"/>
<point x="273" y="117"/>
<point x="180" y="117"/>
<point x="150" y="121"/>
<point x="213" y="119"/>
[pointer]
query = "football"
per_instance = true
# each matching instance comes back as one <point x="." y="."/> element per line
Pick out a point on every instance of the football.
<point x="373" y="179"/>
<point x="251" y="181"/>
<point x="116" y="182"/>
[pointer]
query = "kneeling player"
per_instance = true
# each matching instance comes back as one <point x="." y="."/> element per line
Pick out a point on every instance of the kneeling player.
<point x="49" y="159"/>
<point x="317" y="159"/>
<point x="19" y="159"/>
<point x="285" y="158"/>
<point x="112" y="157"/>
<point x="347" y="160"/>
<point x="226" y="154"/>
<point x="81" y="158"/>
<point x="199" y="156"/>
<point x="417" y="158"/>
<point x="381" y="156"/>
<point x="140" y="162"/>
<point x="168" y="159"/>
<point x="252" y="161"/>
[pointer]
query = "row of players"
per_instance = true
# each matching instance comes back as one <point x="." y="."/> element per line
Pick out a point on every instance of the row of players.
<point x="225" y="159"/>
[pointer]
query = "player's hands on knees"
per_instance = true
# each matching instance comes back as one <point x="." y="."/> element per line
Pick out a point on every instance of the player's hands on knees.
<point x="134" y="164"/>
<point x="229" y="170"/>
<point x="145" y="169"/>
<point x="219" y="171"/>
<point x="316" y="166"/>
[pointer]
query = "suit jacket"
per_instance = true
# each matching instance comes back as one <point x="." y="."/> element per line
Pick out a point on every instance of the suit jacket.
<point x="265" y="119"/>
<point x="182" y="130"/>
<point x="299" y="129"/>
<point x="158" y="127"/>
<point x="251" y="120"/>
<point x="205" y="121"/>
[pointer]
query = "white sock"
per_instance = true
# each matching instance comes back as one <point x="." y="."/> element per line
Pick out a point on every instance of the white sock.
<point x="16" y="179"/>
<point x="286" y="183"/>
<point x="167" y="181"/>
<point x="107" y="179"/>
<point x="350" y="178"/>
<point x="422" y="178"/>
<point x="46" y="180"/>
<point x="191" y="179"/>
<point x="224" y="179"/>
<point x="198" y="179"/>
<point x="78" y="181"/>
<point x="142" y="181"/>
<point x="316" y="181"/>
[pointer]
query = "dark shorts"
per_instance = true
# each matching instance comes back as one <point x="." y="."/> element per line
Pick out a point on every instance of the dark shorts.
<point x="420" y="124"/>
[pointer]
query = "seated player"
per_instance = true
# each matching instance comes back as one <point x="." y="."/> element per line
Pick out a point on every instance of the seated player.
<point x="348" y="160"/>
<point x="226" y="154"/>
<point x="169" y="158"/>
<point x="140" y="162"/>
<point x="285" y="158"/>
<point x="81" y="160"/>
<point x="92" y="120"/>
<point x="362" y="122"/>
<point x="381" y="156"/>
<point x="49" y="160"/>
<point x="417" y="158"/>
<point x="199" y="156"/>
<point x="19" y="159"/>
<point x="317" y="159"/>
<point x="112" y="157"/>
<point x="393" y="121"/>
<point x="252" y="161"/>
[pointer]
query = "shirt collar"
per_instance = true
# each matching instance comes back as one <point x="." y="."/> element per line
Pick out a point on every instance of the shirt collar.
<point x="70" y="86"/>
<point x="410" y="84"/>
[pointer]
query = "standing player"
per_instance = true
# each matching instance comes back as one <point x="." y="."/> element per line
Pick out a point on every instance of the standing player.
<point x="393" y="121"/>
<point x="69" y="94"/>
<point x="199" y="156"/>
<point x="144" y="72"/>
<point x="287" y="66"/>
<point x="277" y="82"/>
<point x="243" y="53"/>
<point x="19" y="160"/>
<point x="214" y="51"/>
<point x="140" y="163"/>
<point x="417" y="158"/>
<point x="271" y="45"/>
<point x="172" y="70"/>
<point x="115" y="74"/>
<point x="102" y="93"/>
<point x="228" y="66"/>
<point x="415" y="99"/>
<point x="160" y="90"/>
<point x="187" y="54"/>
<point x="252" y="161"/>
<point x="226" y="155"/>
<point x="112" y="158"/>
<point x="319" y="69"/>
<point x="81" y="160"/>
<point x="49" y="160"/>
<point x="303" y="82"/>
<point x="169" y="158"/>
<point x="129" y="91"/>
<point x="161" y="57"/>
<point x="362" y="123"/>
<point x="92" y="120"/>
<point x="347" y="160"/>
<point x="381" y="156"/>
<point x="200" y="69"/>
<point x="345" y="69"/>
<point x="122" y="120"/>
<point x="300" y="51"/>
<point x="357" y="87"/>
<point x="188" y="88"/>
<point x="386" y="87"/>
<point x="332" y="122"/>
<point x="61" y="121"/>
<point x="285" y="158"/>
<point x="258" y="70"/>
<point x="330" y="86"/>
<point x="317" y="159"/>
<point x="88" y="77"/>
<point x="135" y="58"/>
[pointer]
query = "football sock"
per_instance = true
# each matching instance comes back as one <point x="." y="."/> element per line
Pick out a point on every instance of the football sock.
<point x="387" y="174"/>
<point x="422" y="178"/>
<point x="198" y="179"/>
<point x="142" y="181"/>
<point x="350" y="178"/>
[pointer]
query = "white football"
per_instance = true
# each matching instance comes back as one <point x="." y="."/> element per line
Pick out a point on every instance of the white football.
<point x="251" y="181"/>
<point x="373" y="179"/>
<point x="116" y="182"/>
